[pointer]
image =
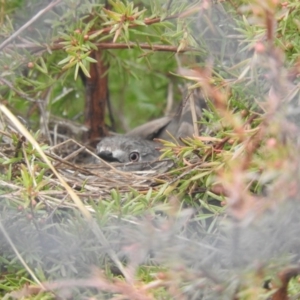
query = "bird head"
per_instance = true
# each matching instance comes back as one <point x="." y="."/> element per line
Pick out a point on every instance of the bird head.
<point x="127" y="149"/>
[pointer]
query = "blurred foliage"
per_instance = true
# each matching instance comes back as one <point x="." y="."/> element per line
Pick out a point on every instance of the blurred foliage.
<point x="68" y="21"/>
<point x="202" y="233"/>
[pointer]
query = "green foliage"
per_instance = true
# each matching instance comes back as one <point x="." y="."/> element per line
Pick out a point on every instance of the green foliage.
<point x="174" y="237"/>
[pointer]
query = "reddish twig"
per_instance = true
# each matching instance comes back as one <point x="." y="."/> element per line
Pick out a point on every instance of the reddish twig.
<point x="285" y="276"/>
<point x="106" y="46"/>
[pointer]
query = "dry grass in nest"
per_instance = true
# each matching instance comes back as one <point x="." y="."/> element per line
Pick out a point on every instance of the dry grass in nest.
<point x="89" y="176"/>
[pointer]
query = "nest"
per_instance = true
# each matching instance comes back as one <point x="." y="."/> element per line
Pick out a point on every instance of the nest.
<point x="88" y="175"/>
<point x="99" y="177"/>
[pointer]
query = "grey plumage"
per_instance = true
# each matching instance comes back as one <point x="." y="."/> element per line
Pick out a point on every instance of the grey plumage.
<point x="151" y="130"/>
<point x="127" y="149"/>
<point x="180" y="125"/>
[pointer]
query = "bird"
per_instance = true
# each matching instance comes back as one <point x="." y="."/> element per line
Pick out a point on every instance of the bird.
<point x="141" y="144"/>
<point x="125" y="149"/>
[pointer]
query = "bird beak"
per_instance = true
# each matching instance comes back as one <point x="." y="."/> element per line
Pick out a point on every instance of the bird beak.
<point x="107" y="156"/>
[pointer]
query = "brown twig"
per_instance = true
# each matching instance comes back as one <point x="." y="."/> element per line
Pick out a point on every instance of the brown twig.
<point x="57" y="46"/>
<point x="109" y="46"/>
<point x="285" y="276"/>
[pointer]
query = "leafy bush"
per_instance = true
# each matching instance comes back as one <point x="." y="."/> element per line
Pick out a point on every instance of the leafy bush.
<point x="222" y="223"/>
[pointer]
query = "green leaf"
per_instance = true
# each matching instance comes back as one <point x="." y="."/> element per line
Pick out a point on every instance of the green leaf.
<point x="76" y="71"/>
<point x="200" y="175"/>
<point x="90" y="59"/>
<point x="65" y="60"/>
<point x="84" y="70"/>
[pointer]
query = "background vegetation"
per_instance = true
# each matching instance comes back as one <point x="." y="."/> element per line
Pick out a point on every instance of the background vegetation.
<point x="223" y="223"/>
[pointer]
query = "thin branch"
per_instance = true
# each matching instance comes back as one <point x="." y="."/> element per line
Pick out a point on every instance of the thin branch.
<point x="147" y="21"/>
<point x="57" y="46"/>
<point x="26" y="25"/>
<point x="194" y="115"/>
<point x="19" y="256"/>
<point x="21" y="94"/>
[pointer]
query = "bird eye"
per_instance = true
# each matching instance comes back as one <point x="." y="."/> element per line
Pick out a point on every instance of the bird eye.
<point x="134" y="156"/>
